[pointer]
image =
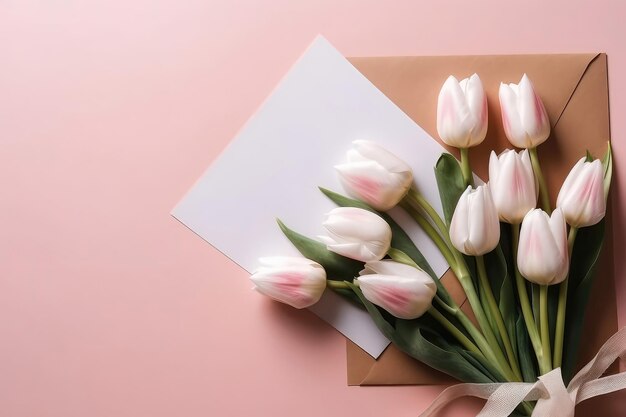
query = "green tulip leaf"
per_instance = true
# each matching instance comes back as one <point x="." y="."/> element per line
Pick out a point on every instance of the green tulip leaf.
<point x="450" y="183"/>
<point x="587" y="249"/>
<point x="497" y="266"/>
<point x="525" y="354"/>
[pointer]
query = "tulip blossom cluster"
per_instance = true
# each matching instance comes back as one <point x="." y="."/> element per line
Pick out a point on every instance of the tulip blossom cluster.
<point x="362" y="252"/>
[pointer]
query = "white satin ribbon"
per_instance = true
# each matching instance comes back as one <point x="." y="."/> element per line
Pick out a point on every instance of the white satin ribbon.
<point x="553" y="398"/>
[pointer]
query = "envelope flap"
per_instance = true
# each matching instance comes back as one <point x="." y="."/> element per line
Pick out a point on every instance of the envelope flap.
<point x="413" y="83"/>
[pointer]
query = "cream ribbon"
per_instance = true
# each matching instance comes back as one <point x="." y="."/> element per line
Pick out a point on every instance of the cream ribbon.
<point x="553" y="398"/>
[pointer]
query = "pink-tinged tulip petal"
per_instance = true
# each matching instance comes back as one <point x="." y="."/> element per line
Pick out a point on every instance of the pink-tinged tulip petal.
<point x="542" y="255"/>
<point x="357" y="234"/>
<point x="474" y="228"/>
<point x="524" y="116"/>
<point x="298" y="282"/>
<point x="512" y="184"/>
<point x="582" y="196"/>
<point x="462" y="112"/>
<point x="404" y="291"/>
<point x="375" y="176"/>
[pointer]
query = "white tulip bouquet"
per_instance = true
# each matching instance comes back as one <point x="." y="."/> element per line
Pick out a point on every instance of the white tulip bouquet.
<point x="526" y="268"/>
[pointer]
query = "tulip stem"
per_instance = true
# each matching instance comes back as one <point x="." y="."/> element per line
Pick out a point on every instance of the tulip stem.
<point x="414" y="198"/>
<point x="431" y="232"/>
<point x="454" y="331"/>
<point x="466" y="168"/>
<point x="527" y="311"/>
<point x="450" y="309"/>
<point x="339" y="285"/>
<point x="560" y="312"/>
<point x="497" y="315"/>
<point x="468" y="286"/>
<point x="485" y="352"/>
<point x="545" y="326"/>
<point x="543" y="188"/>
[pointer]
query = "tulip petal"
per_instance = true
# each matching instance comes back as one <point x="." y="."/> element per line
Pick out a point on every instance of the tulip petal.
<point x="404" y="297"/>
<point x="475" y="228"/>
<point x="454" y="118"/>
<point x="582" y="195"/>
<point x="372" y="151"/>
<point x="375" y="176"/>
<point x="298" y="282"/>
<point x="356" y="233"/>
<point x="542" y="254"/>
<point x="512" y="183"/>
<point x="532" y="113"/>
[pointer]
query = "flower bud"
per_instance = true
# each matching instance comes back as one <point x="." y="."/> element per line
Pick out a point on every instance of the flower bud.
<point x="375" y="175"/>
<point x="542" y="255"/>
<point x="356" y="233"/>
<point x="512" y="184"/>
<point x="525" y="120"/>
<point x="404" y="291"/>
<point x="474" y="228"/>
<point x="462" y="112"/>
<point x="298" y="282"/>
<point x="582" y="196"/>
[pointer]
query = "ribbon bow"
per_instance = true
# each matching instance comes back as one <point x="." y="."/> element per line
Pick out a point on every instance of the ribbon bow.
<point x="553" y="398"/>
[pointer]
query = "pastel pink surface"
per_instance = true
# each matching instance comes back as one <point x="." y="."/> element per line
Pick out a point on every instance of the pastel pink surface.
<point x="109" y="110"/>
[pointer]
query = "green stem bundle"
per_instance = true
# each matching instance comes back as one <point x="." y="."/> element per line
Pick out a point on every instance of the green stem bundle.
<point x="486" y="340"/>
<point x="497" y="316"/>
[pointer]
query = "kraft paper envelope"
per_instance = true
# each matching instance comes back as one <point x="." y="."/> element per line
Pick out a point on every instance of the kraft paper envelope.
<point x="574" y="89"/>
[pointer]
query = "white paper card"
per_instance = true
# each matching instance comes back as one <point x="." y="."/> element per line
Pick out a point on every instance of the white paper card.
<point x="273" y="167"/>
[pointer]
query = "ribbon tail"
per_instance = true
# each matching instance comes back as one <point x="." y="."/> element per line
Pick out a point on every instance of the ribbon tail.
<point x="601" y="386"/>
<point x="455" y="392"/>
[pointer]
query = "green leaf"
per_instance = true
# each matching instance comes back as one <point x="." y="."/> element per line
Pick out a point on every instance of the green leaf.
<point x="420" y="339"/>
<point x="525" y="354"/>
<point x="450" y="183"/>
<point x="585" y="255"/>
<point x="503" y="288"/>
<point x="423" y="340"/>
<point x="337" y="267"/>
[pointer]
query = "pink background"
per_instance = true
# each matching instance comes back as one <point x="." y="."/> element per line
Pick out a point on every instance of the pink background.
<point x="109" y="110"/>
